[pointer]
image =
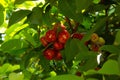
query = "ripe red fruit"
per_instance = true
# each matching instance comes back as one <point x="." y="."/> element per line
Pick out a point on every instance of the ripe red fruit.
<point x="63" y="36"/>
<point x="58" y="56"/>
<point x="43" y="41"/>
<point x="49" y="54"/>
<point x="50" y="36"/>
<point x="95" y="48"/>
<point x="78" y="36"/>
<point x="58" y="46"/>
<point x="78" y="73"/>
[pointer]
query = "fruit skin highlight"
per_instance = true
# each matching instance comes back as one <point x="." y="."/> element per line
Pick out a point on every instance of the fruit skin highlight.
<point x="50" y="36"/>
<point x="58" y="46"/>
<point x="49" y="54"/>
<point x="43" y="41"/>
<point x="63" y="36"/>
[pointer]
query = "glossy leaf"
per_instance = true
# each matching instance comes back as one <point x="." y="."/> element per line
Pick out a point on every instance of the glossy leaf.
<point x="65" y="77"/>
<point x="110" y="67"/>
<point x="16" y="76"/>
<point x="17" y="16"/>
<point x="111" y="49"/>
<point x="12" y="44"/>
<point x="22" y="1"/>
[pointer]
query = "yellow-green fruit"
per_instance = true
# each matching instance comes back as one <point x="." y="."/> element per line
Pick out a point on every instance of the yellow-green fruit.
<point x="94" y="38"/>
<point x="101" y="41"/>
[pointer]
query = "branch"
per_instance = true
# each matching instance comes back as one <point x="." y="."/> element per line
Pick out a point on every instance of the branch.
<point x="69" y="23"/>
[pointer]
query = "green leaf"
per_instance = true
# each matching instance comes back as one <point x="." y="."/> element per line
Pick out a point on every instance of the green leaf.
<point x="86" y="59"/>
<point x="71" y="49"/>
<point x="11" y="31"/>
<point x="29" y="38"/>
<point x="68" y="8"/>
<point x="110" y="67"/>
<point x="119" y="61"/>
<point x="17" y="16"/>
<point x="65" y="77"/>
<point x="81" y="4"/>
<point x="21" y="1"/>
<point x="117" y="38"/>
<point x="111" y="49"/>
<point x="16" y="76"/>
<point x="12" y="44"/>
<point x="36" y="16"/>
<point x="8" y="68"/>
<point x="91" y="79"/>
<point x="1" y="14"/>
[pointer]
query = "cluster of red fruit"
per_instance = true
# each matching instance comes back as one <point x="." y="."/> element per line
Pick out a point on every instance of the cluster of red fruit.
<point x="54" y="41"/>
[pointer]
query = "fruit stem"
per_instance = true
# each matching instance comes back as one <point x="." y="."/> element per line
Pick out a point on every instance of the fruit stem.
<point x="69" y="23"/>
<point x="76" y="27"/>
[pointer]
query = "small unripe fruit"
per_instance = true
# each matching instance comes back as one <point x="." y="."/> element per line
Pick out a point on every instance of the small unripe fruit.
<point x="63" y="36"/>
<point x="50" y="36"/>
<point x="49" y="54"/>
<point x="94" y="37"/>
<point x="101" y="41"/>
<point x="43" y="41"/>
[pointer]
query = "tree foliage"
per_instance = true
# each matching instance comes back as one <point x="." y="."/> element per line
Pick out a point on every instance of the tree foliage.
<point x="86" y="35"/>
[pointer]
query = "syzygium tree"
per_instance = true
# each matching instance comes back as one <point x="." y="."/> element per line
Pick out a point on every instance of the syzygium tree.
<point x="59" y="40"/>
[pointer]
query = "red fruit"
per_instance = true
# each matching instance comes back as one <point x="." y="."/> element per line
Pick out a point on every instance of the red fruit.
<point x="78" y="73"/>
<point x="95" y="48"/>
<point x="59" y="25"/>
<point x="43" y="41"/>
<point x="50" y="36"/>
<point x="63" y="27"/>
<point x="63" y="36"/>
<point x="78" y="36"/>
<point x="49" y="54"/>
<point x="58" y="56"/>
<point x="58" y="45"/>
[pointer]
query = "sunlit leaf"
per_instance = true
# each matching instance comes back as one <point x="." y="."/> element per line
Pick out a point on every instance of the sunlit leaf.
<point x="11" y="31"/>
<point x="12" y="44"/>
<point x="65" y="77"/>
<point x="16" y="76"/>
<point x="1" y="14"/>
<point x="110" y="67"/>
<point x="22" y="1"/>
